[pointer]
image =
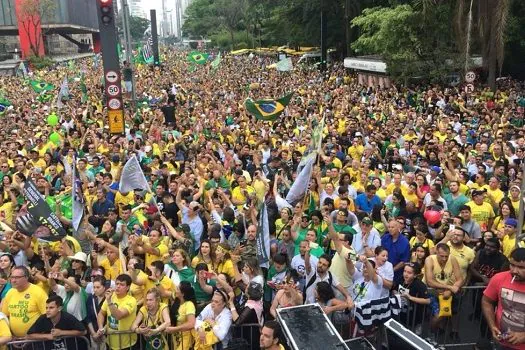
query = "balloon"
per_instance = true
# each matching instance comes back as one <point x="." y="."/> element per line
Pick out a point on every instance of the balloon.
<point x="52" y="120"/>
<point x="432" y="216"/>
<point x="55" y="138"/>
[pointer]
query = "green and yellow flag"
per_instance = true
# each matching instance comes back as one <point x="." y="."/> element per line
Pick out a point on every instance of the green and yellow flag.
<point x="267" y="109"/>
<point x="40" y="86"/>
<point x="198" y="57"/>
<point x="4" y="104"/>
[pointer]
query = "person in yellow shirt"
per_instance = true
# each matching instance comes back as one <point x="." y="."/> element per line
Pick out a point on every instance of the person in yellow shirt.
<point x="241" y="193"/>
<point x="494" y="193"/>
<point x="138" y="279"/>
<point x="153" y="248"/>
<point x="119" y="311"/>
<point x="508" y="243"/>
<point x="111" y="264"/>
<point x="24" y="303"/>
<point x="482" y="212"/>
<point x="356" y="150"/>
<point x="158" y="279"/>
<point x="5" y="332"/>
<point x="463" y="254"/>
<point x="153" y="317"/>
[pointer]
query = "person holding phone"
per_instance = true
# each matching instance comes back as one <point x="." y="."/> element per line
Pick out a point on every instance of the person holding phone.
<point x="94" y="304"/>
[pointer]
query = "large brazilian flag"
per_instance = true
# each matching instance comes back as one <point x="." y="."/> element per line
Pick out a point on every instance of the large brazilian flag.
<point x="267" y="109"/>
<point x="198" y="57"/>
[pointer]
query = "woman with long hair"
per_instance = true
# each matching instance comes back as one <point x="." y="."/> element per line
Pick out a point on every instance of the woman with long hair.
<point x="182" y="315"/>
<point x="205" y="255"/>
<point x="283" y="221"/>
<point x="397" y="207"/>
<point x="179" y="267"/>
<point x="251" y="271"/>
<point x="152" y="320"/>
<point x="384" y="269"/>
<point x="419" y="253"/>
<point x="288" y="294"/>
<point x="506" y="210"/>
<point x="224" y="261"/>
<point x="325" y="296"/>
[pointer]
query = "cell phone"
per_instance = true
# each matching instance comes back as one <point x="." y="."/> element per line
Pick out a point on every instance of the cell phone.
<point x="243" y="242"/>
<point x="452" y="227"/>
<point x="107" y="284"/>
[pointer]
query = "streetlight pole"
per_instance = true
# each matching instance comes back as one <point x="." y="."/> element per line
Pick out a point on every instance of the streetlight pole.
<point x="323" y="36"/>
<point x="520" y="234"/>
<point x="127" y="39"/>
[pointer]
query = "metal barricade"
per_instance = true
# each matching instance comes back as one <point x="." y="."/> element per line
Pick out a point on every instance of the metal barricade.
<point x="121" y="339"/>
<point x="465" y="328"/>
<point x="245" y="336"/>
<point x="70" y="343"/>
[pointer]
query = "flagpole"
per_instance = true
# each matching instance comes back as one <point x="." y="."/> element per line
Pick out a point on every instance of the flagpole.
<point x="127" y="39"/>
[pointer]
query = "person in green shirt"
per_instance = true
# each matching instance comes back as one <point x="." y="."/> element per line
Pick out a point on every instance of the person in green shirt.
<point x="217" y="181"/>
<point x="203" y="284"/>
<point x="298" y="231"/>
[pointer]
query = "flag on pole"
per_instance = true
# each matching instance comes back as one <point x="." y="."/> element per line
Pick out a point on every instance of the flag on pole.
<point x="83" y="89"/>
<point x="4" y="104"/>
<point x="63" y="93"/>
<point x="263" y="238"/>
<point x="78" y="201"/>
<point x="198" y="57"/>
<point x="22" y="70"/>
<point x="147" y="51"/>
<point x="300" y="185"/>
<point x="284" y="65"/>
<point x="39" y="86"/>
<point x="216" y="62"/>
<point x="267" y="109"/>
<point x="132" y="177"/>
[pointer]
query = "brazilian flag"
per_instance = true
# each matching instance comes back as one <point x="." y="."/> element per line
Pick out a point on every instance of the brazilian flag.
<point x="198" y="57"/>
<point x="44" y="98"/>
<point x="4" y="103"/>
<point x="267" y="109"/>
<point x="40" y="86"/>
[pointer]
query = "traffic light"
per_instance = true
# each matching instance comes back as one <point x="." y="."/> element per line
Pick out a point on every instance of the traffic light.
<point x="106" y="11"/>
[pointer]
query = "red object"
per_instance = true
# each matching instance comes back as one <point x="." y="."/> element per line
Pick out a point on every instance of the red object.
<point x="432" y="216"/>
<point x="29" y="29"/>
<point x="96" y="43"/>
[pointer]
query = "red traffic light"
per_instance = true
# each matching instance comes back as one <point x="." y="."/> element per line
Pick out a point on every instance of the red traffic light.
<point x="105" y="9"/>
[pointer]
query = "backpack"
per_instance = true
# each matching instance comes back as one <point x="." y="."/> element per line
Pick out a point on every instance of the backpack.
<point x="312" y="280"/>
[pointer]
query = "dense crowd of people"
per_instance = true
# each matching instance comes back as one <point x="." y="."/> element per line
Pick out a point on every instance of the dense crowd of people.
<point x="415" y="191"/>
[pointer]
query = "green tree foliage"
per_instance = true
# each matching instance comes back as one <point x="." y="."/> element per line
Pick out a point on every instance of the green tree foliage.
<point x="414" y="44"/>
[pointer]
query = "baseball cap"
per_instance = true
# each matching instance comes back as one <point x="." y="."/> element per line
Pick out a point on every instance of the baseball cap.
<point x="436" y="169"/>
<point x="478" y="191"/>
<point x="511" y="222"/>
<point x="367" y="221"/>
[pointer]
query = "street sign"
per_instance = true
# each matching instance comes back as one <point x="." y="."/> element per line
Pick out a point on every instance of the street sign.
<point x="469" y="88"/>
<point x="113" y="90"/>
<point x="470" y="77"/>
<point x="114" y="103"/>
<point x="116" y="121"/>
<point x="111" y="76"/>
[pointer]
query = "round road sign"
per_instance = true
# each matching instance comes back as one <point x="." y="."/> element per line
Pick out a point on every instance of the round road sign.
<point x="470" y="77"/>
<point x="111" y="76"/>
<point x="469" y="88"/>
<point x="114" y="103"/>
<point x="113" y="90"/>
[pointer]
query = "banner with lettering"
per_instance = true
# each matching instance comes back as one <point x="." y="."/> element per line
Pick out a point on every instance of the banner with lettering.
<point x="36" y="218"/>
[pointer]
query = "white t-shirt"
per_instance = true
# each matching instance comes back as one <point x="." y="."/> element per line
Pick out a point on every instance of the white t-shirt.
<point x="73" y="307"/>
<point x="310" y="294"/>
<point x="364" y="291"/>
<point x="386" y="272"/>
<point x="338" y="267"/>
<point x="298" y="264"/>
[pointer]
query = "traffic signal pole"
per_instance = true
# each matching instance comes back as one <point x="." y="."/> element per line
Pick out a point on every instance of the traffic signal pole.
<point x="112" y="80"/>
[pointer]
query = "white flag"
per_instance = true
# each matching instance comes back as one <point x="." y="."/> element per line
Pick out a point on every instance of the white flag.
<point x="133" y="177"/>
<point x="300" y="185"/>
<point x="77" y="210"/>
<point x="284" y="65"/>
<point x="263" y="238"/>
<point x="64" y="92"/>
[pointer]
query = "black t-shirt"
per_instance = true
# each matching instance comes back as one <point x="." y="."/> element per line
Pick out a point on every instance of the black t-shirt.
<point x="489" y="265"/>
<point x="416" y="289"/>
<point x="169" y="114"/>
<point x="67" y="322"/>
<point x="171" y="211"/>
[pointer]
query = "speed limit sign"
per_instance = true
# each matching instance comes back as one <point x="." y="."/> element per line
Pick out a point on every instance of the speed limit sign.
<point x="113" y="90"/>
<point x="470" y="77"/>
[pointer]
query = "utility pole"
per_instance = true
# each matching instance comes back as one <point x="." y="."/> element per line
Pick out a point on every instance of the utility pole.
<point x="129" y="58"/>
<point x="323" y="36"/>
<point x="520" y="234"/>
<point x="178" y="16"/>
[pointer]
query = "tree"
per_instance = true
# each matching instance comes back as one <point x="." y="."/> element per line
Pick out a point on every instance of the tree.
<point x="30" y="15"/>
<point x="412" y="43"/>
<point x="231" y="15"/>
<point x="137" y="26"/>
